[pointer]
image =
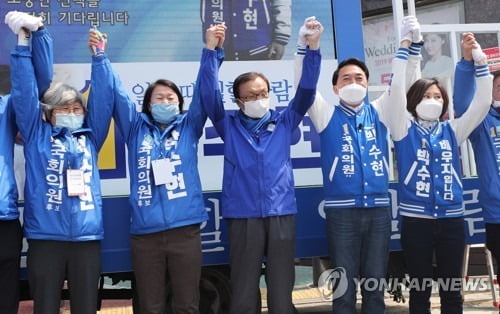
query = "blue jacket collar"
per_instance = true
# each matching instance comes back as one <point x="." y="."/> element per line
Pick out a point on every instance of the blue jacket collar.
<point x="494" y="112"/>
<point x="169" y="128"/>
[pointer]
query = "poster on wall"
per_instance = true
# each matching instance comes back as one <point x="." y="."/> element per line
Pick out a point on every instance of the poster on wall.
<point x="171" y="31"/>
<point x="381" y="43"/>
<point x="493" y="55"/>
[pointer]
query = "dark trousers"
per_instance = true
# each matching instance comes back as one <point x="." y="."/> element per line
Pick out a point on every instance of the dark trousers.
<point x="358" y="243"/>
<point x="50" y="262"/>
<point x="493" y="242"/>
<point x="420" y="239"/>
<point x="11" y="237"/>
<point x="176" y="252"/>
<point x="250" y="240"/>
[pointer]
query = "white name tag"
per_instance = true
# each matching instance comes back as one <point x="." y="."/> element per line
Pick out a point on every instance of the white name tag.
<point x="162" y="171"/>
<point x="75" y="181"/>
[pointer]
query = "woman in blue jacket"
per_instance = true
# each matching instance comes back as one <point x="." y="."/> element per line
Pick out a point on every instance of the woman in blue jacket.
<point x="166" y="194"/>
<point x="430" y="188"/>
<point x="62" y="212"/>
<point x="258" y="195"/>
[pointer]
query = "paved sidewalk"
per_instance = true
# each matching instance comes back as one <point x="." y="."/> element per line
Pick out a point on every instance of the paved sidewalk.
<point x="108" y="307"/>
<point x="308" y="301"/>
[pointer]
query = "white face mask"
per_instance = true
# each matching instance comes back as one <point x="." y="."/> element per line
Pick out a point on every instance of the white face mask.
<point x="352" y="94"/>
<point x="256" y="109"/>
<point x="70" y="121"/>
<point x="429" y="109"/>
<point x="496" y="104"/>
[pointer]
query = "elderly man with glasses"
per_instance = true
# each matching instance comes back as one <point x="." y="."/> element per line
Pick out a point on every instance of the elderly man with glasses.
<point x="258" y="196"/>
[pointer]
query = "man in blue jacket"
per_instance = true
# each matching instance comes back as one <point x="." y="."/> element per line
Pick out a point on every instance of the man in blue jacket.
<point x="10" y="227"/>
<point x="354" y="152"/>
<point x="258" y="196"/>
<point x="485" y="141"/>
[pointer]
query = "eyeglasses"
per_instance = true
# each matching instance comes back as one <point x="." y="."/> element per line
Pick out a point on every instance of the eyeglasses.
<point x="254" y="97"/>
<point x="65" y="110"/>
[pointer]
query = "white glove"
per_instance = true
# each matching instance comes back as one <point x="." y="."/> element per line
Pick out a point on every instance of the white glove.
<point x="303" y="32"/>
<point x="478" y="55"/>
<point x="17" y="20"/>
<point x="416" y="34"/>
<point x="406" y="28"/>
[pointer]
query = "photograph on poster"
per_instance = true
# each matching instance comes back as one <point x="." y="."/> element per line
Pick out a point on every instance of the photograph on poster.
<point x="256" y="30"/>
<point x="381" y="43"/>
<point x="437" y="61"/>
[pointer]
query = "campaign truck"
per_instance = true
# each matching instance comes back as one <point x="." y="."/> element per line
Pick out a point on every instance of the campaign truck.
<point x="148" y="40"/>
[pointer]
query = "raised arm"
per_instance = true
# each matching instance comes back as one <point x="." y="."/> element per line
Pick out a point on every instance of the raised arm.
<point x="320" y="110"/>
<point x="101" y="98"/>
<point x="414" y="60"/>
<point x="24" y="94"/>
<point x="391" y="106"/>
<point x="481" y="101"/>
<point x="465" y="83"/>
<point x="211" y="60"/>
<point x="125" y="113"/>
<point x="43" y="59"/>
<point x="123" y="108"/>
<point x="210" y="94"/>
<point x="42" y="48"/>
<point x="306" y="89"/>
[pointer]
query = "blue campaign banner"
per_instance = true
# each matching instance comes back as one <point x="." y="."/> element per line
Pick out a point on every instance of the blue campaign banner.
<point x="162" y="31"/>
<point x="310" y="221"/>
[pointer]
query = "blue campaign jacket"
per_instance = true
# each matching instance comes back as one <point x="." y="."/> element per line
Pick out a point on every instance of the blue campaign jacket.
<point x="258" y="177"/>
<point x="354" y="159"/>
<point x="42" y="62"/>
<point x="49" y="213"/>
<point x="8" y="188"/>
<point x="429" y="172"/>
<point x="180" y="202"/>
<point x="253" y="25"/>
<point x="485" y="141"/>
